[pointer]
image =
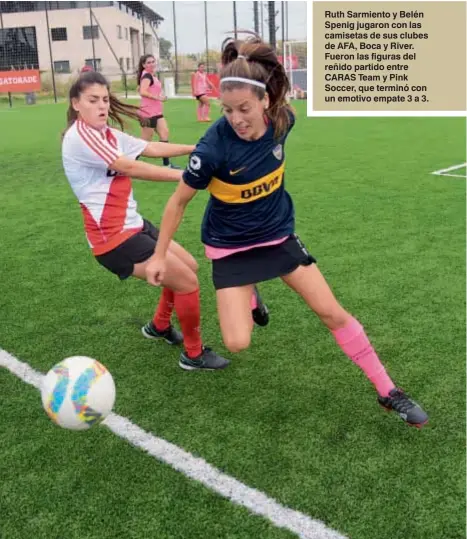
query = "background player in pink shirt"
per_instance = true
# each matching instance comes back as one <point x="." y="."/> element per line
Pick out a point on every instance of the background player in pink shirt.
<point x="200" y="85"/>
<point x="151" y="108"/>
<point x="99" y="162"/>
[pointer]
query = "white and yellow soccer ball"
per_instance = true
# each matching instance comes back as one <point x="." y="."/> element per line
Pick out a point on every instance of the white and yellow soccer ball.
<point x="78" y="392"/>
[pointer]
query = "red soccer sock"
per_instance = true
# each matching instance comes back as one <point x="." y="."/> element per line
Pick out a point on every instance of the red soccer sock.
<point x="187" y="308"/>
<point x="355" y="344"/>
<point x="164" y="310"/>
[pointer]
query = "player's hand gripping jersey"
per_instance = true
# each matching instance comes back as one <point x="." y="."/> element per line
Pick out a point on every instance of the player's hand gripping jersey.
<point x="248" y="203"/>
<point x="106" y="198"/>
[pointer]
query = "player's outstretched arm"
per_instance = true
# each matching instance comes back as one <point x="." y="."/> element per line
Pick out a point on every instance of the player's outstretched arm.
<point x="171" y="219"/>
<point x="165" y="149"/>
<point x="145" y="171"/>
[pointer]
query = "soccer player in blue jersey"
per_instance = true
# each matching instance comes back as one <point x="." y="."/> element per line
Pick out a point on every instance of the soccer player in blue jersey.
<point x="248" y="227"/>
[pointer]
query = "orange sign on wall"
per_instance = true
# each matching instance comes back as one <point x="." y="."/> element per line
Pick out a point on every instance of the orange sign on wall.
<point x="214" y="79"/>
<point x="25" y="80"/>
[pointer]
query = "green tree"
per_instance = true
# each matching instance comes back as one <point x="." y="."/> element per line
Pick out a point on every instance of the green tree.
<point x="164" y="49"/>
<point x="213" y="58"/>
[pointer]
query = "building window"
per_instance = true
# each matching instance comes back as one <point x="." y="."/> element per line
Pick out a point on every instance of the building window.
<point x="126" y="34"/>
<point x="18" y="48"/>
<point x="90" y="32"/>
<point x="119" y="31"/>
<point x="96" y="4"/>
<point x="95" y="63"/>
<point x="63" y="66"/>
<point x="122" y="65"/>
<point x="128" y="64"/>
<point x="58" y="34"/>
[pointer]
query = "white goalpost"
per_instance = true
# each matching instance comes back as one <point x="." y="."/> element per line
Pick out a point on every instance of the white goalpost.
<point x="295" y="67"/>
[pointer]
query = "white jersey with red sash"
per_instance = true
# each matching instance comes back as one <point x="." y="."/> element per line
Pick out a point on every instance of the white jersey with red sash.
<point x="106" y="197"/>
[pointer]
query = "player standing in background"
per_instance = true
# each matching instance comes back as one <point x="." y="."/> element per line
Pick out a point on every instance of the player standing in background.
<point x="151" y="108"/>
<point x="249" y="224"/>
<point x="200" y="86"/>
<point x="99" y="162"/>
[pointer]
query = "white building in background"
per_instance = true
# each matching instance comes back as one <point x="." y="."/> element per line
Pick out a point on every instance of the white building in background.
<point x="109" y="36"/>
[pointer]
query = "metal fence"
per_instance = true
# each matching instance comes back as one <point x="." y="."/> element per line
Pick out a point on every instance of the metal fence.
<point x="59" y="38"/>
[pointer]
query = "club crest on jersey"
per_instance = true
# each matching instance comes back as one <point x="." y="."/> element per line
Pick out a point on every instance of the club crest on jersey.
<point x="277" y="152"/>
<point x="195" y="162"/>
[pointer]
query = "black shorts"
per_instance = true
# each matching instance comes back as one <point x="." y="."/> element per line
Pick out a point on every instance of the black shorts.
<point x="260" y="264"/>
<point x="134" y="250"/>
<point x="150" y="122"/>
<point x="198" y="96"/>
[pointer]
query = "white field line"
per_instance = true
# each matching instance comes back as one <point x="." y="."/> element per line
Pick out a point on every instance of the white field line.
<point x="444" y="171"/>
<point x="196" y="468"/>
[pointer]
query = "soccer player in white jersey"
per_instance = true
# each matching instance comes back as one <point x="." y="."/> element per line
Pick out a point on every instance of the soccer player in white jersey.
<point x="99" y="162"/>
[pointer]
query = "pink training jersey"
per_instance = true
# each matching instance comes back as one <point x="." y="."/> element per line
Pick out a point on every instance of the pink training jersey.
<point x="151" y="107"/>
<point x="200" y="83"/>
<point x="106" y="198"/>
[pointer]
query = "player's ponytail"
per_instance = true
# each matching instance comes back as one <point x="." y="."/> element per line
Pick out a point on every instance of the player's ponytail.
<point x="253" y="59"/>
<point x="117" y="108"/>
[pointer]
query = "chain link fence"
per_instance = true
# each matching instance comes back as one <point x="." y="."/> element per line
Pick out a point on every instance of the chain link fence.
<point x="60" y="38"/>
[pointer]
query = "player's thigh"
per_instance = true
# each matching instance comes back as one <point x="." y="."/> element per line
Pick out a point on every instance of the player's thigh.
<point x="310" y="284"/>
<point x="147" y="133"/>
<point x="178" y="276"/>
<point x="234" y="310"/>
<point x="204" y="100"/>
<point x="183" y="255"/>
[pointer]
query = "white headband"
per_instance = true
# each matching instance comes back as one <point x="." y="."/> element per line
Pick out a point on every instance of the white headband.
<point x="246" y="81"/>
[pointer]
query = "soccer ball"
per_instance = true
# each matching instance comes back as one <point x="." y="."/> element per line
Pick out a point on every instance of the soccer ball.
<point x="78" y="392"/>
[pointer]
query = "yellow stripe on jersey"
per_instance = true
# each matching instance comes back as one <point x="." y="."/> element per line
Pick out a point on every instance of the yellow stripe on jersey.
<point x="247" y="192"/>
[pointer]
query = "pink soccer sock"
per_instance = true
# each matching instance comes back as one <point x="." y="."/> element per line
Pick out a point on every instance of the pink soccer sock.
<point x="199" y="112"/>
<point x="205" y="112"/>
<point x="354" y="342"/>
<point x="253" y="302"/>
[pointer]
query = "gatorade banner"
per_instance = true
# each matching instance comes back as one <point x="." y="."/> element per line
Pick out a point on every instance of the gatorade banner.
<point x="26" y="80"/>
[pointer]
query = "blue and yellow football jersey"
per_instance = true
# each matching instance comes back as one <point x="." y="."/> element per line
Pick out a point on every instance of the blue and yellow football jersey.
<point x="248" y="202"/>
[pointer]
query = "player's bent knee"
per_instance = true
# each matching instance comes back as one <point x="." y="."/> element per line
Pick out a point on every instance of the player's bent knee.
<point x="193" y="265"/>
<point x="191" y="281"/>
<point x="237" y="343"/>
<point x="335" y="319"/>
<point x="183" y="283"/>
